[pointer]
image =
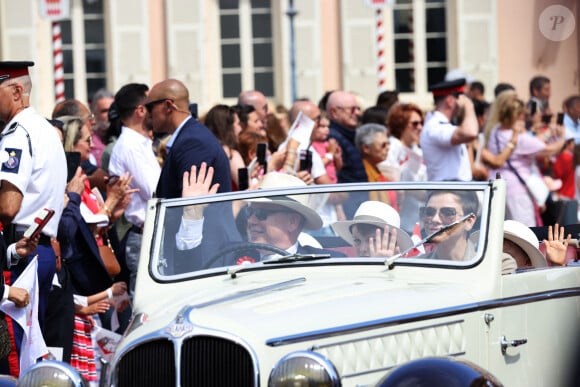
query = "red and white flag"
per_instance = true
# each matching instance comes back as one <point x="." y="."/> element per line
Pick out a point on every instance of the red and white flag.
<point x="33" y="345"/>
<point x="416" y="238"/>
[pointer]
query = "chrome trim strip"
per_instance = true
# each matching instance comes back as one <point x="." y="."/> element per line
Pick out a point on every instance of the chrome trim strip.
<point x="382" y="369"/>
<point x="422" y="316"/>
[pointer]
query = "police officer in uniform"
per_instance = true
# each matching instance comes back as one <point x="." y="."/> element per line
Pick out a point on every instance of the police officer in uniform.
<point x="449" y="128"/>
<point x="32" y="172"/>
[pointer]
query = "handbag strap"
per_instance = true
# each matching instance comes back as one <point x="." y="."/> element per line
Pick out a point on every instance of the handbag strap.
<point x="513" y="169"/>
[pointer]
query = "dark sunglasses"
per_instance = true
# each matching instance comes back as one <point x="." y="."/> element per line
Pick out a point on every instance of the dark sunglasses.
<point x="150" y="105"/>
<point x="444" y="212"/>
<point x="261" y="213"/>
<point x="415" y="124"/>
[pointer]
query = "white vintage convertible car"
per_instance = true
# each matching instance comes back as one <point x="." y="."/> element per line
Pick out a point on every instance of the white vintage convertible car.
<point x="222" y="307"/>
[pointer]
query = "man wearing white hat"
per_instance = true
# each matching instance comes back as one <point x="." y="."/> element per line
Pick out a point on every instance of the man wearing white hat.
<point x="374" y="230"/>
<point x="276" y="220"/>
<point x="279" y="220"/>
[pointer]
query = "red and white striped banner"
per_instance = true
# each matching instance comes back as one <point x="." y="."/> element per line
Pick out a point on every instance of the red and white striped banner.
<point x="376" y="4"/>
<point x="58" y="63"/>
<point x="380" y="33"/>
<point x="55" y="9"/>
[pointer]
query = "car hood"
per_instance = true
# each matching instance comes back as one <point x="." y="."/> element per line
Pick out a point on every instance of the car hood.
<point x="262" y="303"/>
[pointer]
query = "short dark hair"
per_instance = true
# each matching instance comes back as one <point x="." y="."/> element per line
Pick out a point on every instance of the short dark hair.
<point x="375" y="115"/>
<point x="129" y="97"/>
<point x="571" y="101"/>
<point x="480" y="107"/>
<point x="387" y="98"/>
<point x="502" y="86"/>
<point x="477" y="85"/>
<point x="537" y="82"/>
<point x="324" y="100"/>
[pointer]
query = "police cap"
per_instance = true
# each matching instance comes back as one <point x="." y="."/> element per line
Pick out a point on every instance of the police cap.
<point x="445" y="88"/>
<point x="14" y="69"/>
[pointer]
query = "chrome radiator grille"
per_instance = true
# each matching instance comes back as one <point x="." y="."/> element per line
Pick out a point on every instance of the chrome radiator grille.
<point x="151" y="364"/>
<point x="205" y="361"/>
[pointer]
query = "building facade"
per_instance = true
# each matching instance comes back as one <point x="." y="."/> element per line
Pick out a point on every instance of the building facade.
<point x="219" y="47"/>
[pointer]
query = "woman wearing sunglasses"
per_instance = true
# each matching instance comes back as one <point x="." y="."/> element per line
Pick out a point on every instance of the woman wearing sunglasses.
<point x="443" y="208"/>
<point x="405" y="123"/>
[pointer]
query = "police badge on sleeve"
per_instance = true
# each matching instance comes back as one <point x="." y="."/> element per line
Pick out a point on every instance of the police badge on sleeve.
<point x="10" y="159"/>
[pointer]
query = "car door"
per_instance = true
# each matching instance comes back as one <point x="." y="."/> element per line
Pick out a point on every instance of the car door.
<point x="532" y="338"/>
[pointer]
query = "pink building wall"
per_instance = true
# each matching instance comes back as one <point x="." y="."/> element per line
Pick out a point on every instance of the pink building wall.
<point x="523" y="51"/>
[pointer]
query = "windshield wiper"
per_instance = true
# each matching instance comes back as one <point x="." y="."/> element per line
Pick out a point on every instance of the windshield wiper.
<point x="233" y="271"/>
<point x="296" y="258"/>
<point x="391" y="260"/>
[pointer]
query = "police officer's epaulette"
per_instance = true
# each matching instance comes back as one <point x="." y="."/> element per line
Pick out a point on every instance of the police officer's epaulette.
<point x="12" y="129"/>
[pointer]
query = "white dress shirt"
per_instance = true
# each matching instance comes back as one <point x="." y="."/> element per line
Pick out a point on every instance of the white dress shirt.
<point x="133" y="153"/>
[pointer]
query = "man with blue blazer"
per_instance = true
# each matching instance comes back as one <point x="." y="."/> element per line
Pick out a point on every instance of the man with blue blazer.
<point x="191" y="142"/>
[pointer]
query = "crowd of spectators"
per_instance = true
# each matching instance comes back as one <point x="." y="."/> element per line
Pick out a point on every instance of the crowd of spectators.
<point x="139" y="142"/>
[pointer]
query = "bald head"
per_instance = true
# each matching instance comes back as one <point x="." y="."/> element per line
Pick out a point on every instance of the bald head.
<point x="257" y="100"/>
<point x="172" y="89"/>
<point x="343" y="109"/>
<point x="306" y="107"/>
<point x="168" y="105"/>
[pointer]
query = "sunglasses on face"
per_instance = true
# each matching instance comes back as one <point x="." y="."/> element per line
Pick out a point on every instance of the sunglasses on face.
<point x="445" y="213"/>
<point x="260" y="213"/>
<point x="150" y="105"/>
<point x="416" y="124"/>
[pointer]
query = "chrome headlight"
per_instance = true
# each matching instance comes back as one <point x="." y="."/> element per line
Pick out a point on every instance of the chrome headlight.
<point x="304" y="368"/>
<point x="51" y="373"/>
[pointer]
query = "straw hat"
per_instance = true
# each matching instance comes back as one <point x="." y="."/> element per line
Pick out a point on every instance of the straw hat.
<point x="377" y="214"/>
<point x="297" y="203"/>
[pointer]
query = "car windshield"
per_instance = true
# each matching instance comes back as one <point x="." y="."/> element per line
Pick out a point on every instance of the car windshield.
<point x="431" y="225"/>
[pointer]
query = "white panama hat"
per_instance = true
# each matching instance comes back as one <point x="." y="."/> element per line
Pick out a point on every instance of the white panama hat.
<point x="297" y="203"/>
<point x="525" y="238"/>
<point x="377" y="214"/>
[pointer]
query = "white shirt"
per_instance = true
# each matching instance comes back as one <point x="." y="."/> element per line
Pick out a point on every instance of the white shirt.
<point x="133" y="153"/>
<point x="443" y="160"/>
<point x="40" y="177"/>
<point x="572" y="128"/>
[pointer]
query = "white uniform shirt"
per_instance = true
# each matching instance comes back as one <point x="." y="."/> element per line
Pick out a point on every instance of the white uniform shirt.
<point x="443" y="160"/>
<point x="40" y="177"/>
<point x="133" y="153"/>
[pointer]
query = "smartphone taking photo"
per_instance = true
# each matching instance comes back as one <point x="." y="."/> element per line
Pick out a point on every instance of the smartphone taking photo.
<point x="262" y="147"/>
<point x="560" y="119"/>
<point x="533" y="107"/>
<point x="34" y="230"/>
<point x="73" y="161"/>
<point x="243" y="179"/>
